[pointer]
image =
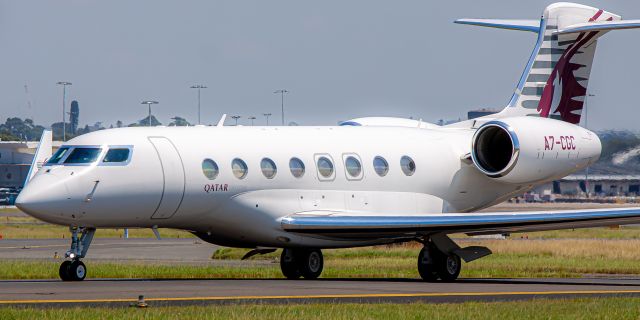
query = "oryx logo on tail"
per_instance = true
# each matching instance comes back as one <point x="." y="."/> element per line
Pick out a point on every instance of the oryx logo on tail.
<point x="555" y="80"/>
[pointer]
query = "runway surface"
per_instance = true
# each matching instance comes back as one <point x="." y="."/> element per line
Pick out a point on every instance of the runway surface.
<point x="165" y="250"/>
<point x="92" y="292"/>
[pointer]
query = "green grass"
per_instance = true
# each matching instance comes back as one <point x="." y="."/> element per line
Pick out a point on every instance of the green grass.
<point x="511" y="258"/>
<point x="624" y="232"/>
<point x="17" y="225"/>
<point x="584" y="308"/>
<point x="25" y="227"/>
<point x="39" y="269"/>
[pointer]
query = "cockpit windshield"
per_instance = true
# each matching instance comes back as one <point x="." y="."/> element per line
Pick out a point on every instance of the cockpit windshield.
<point x="58" y="155"/>
<point x="116" y="155"/>
<point x="83" y="155"/>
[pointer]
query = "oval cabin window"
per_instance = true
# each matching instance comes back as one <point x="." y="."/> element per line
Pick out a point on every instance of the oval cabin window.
<point x="325" y="167"/>
<point x="353" y="166"/>
<point x="210" y="169"/>
<point x="268" y="168"/>
<point x="380" y="166"/>
<point x="297" y="167"/>
<point x="239" y="168"/>
<point x="408" y="165"/>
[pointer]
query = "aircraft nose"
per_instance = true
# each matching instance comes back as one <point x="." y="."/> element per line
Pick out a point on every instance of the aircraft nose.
<point x="45" y="197"/>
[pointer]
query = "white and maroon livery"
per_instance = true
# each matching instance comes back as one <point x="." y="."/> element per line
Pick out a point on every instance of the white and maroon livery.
<point x="368" y="181"/>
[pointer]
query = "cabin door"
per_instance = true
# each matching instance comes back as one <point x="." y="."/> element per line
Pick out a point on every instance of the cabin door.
<point x="173" y="178"/>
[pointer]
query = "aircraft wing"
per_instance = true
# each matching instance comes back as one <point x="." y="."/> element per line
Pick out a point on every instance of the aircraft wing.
<point x="354" y="225"/>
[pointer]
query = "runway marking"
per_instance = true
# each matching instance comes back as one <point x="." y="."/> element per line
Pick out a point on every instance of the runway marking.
<point x="327" y="296"/>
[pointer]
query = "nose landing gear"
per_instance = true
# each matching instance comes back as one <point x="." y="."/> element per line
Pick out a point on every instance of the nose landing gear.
<point x="73" y="269"/>
<point x="307" y="263"/>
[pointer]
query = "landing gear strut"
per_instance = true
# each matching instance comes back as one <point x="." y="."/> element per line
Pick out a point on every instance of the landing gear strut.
<point x="434" y="264"/>
<point x="73" y="269"/>
<point x="307" y="263"/>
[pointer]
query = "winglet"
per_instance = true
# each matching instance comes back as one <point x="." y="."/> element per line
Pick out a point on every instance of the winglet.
<point x="43" y="152"/>
<point x="221" y="122"/>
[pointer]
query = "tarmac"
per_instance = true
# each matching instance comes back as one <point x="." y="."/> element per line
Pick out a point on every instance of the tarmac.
<point x="133" y="249"/>
<point x="161" y="292"/>
<point x="109" y="292"/>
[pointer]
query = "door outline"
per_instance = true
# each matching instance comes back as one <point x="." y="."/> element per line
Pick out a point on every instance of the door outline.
<point x="164" y="179"/>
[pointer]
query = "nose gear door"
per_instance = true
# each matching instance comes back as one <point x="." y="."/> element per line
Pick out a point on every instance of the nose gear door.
<point x="173" y="178"/>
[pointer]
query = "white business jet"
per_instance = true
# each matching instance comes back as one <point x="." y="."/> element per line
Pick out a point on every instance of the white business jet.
<point x="369" y="181"/>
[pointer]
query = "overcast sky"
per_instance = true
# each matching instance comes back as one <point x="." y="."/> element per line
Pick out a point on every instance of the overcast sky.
<point x="339" y="59"/>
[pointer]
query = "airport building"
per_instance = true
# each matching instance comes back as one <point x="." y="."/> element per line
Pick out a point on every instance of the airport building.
<point x="597" y="185"/>
<point x="472" y="114"/>
<point x="15" y="161"/>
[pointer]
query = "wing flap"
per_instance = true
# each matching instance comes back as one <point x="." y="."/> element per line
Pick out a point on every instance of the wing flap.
<point x="356" y="225"/>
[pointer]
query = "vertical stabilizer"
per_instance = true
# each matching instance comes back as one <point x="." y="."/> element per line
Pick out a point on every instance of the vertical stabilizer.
<point x="555" y="79"/>
<point x="43" y="153"/>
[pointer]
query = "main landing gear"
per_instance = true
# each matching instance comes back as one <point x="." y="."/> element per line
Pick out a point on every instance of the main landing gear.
<point x="296" y="263"/>
<point x="434" y="264"/>
<point x="73" y="269"/>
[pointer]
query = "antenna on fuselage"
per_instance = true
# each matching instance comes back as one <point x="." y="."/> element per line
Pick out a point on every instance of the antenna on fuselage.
<point x="221" y="122"/>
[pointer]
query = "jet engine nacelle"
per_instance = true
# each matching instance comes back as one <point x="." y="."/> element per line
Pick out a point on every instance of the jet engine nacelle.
<point x="523" y="150"/>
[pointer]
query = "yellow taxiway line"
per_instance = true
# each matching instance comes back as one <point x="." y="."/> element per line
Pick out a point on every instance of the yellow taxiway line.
<point x="327" y="296"/>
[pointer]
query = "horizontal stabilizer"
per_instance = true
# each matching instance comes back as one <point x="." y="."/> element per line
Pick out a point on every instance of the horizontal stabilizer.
<point x="520" y="25"/>
<point x="600" y="26"/>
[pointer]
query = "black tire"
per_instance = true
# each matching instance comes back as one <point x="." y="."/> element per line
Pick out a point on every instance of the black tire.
<point x="310" y="263"/>
<point x="449" y="267"/>
<point x="77" y="271"/>
<point x="63" y="272"/>
<point x="288" y="264"/>
<point x="427" y="265"/>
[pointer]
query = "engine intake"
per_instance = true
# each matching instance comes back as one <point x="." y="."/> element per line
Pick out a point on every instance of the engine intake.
<point x="495" y="149"/>
<point x="525" y="150"/>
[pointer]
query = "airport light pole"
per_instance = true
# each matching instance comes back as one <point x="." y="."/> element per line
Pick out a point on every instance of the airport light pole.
<point x="586" y="123"/>
<point x="149" y="103"/>
<point x="64" y="85"/>
<point x="282" y="93"/>
<point x="252" y="118"/>
<point x="198" y="86"/>
<point x="267" y="115"/>
<point x="236" y="119"/>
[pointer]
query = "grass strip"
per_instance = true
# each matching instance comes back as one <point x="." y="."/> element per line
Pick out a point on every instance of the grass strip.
<point x="583" y="308"/>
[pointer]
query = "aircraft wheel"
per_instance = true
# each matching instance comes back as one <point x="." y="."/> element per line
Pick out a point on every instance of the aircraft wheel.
<point x="63" y="272"/>
<point x="77" y="271"/>
<point x="310" y="263"/>
<point x="449" y="267"/>
<point x="288" y="264"/>
<point x="427" y="266"/>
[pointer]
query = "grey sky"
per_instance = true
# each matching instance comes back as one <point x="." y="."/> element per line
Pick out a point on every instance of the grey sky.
<point x="339" y="59"/>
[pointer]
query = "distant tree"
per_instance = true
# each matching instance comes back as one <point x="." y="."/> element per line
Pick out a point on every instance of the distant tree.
<point x="23" y="130"/>
<point x="8" y="137"/>
<point x="74" y="116"/>
<point x="119" y="124"/>
<point x="616" y="141"/>
<point x="56" y="129"/>
<point x="179" y="122"/>
<point x="145" y="122"/>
